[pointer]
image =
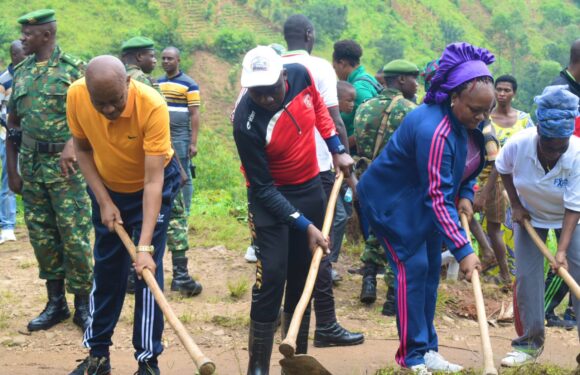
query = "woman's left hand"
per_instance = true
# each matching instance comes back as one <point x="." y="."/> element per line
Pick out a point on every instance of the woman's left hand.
<point x="464" y="206"/>
<point x="561" y="261"/>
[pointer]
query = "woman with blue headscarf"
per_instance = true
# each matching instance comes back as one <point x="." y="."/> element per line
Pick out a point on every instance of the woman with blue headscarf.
<point x="540" y="169"/>
<point x="413" y="192"/>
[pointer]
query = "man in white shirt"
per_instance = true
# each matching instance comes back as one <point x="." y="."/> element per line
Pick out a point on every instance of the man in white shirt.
<point x="300" y="35"/>
<point x="540" y="169"/>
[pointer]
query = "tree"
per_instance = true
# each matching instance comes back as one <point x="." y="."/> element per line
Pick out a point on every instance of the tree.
<point x="231" y="44"/>
<point x="389" y="47"/>
<point x="557" y="52"/>
<point x="7" y="35"/>
<point x="505" y="30"/>
<point x="451" y="32"/>
<point x="538" y="75"/>
<point x="329" y="19"/>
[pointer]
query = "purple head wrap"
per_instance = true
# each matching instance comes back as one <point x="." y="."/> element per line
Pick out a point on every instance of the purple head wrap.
<point x="459" y="63"/>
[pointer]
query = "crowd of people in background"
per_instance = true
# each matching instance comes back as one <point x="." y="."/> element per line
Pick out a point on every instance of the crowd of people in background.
<point x="105" y="144"/>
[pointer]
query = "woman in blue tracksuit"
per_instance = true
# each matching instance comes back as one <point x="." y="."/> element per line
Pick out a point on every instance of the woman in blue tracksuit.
<point x="412" y="193"/>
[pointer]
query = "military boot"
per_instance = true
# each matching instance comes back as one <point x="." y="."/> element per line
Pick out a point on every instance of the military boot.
<point x="81" y="315"/>
<point x="368" y="292"/>
<point x="389" y="308"/>
<point x="131" y="280"/>
<point x="56" y="309"/>
<point x="333" y="334"/>
<point x="260" y="347"/>
<point x="182" y="282"/>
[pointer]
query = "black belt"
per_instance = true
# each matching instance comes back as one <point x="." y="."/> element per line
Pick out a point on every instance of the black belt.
<point x="42" y="147"/>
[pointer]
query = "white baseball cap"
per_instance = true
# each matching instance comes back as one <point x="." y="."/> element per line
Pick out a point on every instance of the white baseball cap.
<point x="261" y="67"/>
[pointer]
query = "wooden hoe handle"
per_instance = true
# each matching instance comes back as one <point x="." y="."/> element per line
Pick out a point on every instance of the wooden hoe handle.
<point x="488" y="366"/>
<point x="288" y="346"/>
<point x="562" y="272"/>
<point x="204" y="364"/>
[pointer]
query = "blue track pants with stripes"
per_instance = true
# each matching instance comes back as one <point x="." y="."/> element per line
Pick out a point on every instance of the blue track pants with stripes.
<point x="111" y="269"/>
<point x="416" y="282"/>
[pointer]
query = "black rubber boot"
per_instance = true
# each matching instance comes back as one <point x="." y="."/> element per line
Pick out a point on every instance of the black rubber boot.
<point x="368" y="292"/>
<point x="182" y="282"/>
<point x="131" y="280"/>
<point x="56" y="309"/>
<point x="81" y="316"/>
<point x="389" y="308"/>
<point x="302" y="338"/>
<point x="334" y="334"/>
<point x="260" y="347"/>
<point x="93" y="366"/>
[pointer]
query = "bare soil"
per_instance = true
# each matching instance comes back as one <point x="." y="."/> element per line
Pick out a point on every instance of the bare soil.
<point x="219" y="323"/>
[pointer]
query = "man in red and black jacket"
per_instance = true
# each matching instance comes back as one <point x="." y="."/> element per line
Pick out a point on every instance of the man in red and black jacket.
<point x="274" y="132"/>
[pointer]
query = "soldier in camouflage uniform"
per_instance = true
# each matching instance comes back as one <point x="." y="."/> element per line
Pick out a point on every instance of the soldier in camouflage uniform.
<point x="138" y="55"/>
<point x="56" y="206"/>
<point x="375" y="122"/>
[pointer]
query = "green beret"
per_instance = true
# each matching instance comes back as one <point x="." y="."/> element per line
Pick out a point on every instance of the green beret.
<point x="138" y="42"/>
<point x="38" y="17"/>
<point x="398" y="67"/>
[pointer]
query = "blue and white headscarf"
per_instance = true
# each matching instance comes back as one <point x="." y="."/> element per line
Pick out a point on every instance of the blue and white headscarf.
<point x="556" y="113"/>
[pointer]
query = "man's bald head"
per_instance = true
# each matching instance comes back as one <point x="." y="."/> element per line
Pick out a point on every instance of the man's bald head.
<point x="107" y="82"/>
<point x="575" y="53"/>
<point x="16" y="52"/>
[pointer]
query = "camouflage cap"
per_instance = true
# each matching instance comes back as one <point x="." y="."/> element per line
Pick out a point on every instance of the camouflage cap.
<point x="138" y="42"/>
<point x="398" y="67"/>
<point x="38" y="17"/>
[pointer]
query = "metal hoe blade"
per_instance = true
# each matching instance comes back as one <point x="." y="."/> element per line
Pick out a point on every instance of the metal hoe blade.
<point x="303" y="364"/>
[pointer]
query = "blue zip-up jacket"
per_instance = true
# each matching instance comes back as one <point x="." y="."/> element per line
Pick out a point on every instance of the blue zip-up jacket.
<point x="410" y="190"/>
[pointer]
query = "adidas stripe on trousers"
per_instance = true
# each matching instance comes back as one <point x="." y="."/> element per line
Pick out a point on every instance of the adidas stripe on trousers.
<point x="111" y="269"/>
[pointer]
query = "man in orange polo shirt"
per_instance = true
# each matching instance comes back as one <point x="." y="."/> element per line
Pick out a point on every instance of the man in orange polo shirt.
<point x="121" y="135"/>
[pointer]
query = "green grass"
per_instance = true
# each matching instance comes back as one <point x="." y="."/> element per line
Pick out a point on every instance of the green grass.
<point x="219" y="206"/>
<point x="231" y="321"/>
<point x="238" y="288"/>
<point x="186" y="317"/>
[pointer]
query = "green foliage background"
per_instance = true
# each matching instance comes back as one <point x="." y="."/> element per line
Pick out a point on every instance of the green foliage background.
<point x="530" y="38"/>
<point x="89" y="28"/>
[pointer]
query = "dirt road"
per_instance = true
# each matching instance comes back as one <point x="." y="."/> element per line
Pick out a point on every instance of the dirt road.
<point x="219" y="322"/>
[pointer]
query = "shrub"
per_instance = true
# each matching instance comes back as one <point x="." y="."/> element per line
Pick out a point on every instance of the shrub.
<point x="231" y="44"/>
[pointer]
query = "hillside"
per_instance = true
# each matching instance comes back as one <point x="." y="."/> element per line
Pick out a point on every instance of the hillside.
<point x="213" y="34"/>
<point x="530" y="38"/>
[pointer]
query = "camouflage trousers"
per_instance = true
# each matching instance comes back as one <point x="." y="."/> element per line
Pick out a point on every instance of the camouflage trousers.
<point x="177" y="233"/>
<point x="374" y="253"/>
<point x="58" y="218"/>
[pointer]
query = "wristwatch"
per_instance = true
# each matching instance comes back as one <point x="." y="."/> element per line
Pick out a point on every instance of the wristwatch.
<point x="341" y="149"/>
<point x="146" y="249"/>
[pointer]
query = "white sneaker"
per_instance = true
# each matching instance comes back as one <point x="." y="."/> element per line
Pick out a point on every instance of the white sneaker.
<point x="7" y="235"/>
<point x="420" y="370"/>
<point x="435" y="362"/>
<point x="251" y="255"/>
<point x="517" y="358"/>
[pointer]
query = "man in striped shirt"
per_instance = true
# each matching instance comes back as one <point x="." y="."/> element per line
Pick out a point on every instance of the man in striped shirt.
<point x="182" y="96"/>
